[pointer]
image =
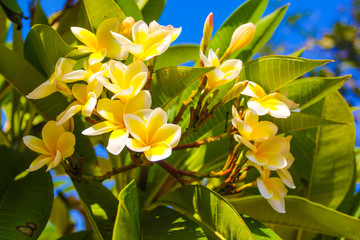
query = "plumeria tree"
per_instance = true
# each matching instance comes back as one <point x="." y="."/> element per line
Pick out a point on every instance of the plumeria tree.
<point x="234" y="147"/>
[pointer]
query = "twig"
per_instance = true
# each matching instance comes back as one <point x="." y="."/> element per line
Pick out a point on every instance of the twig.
<point x="111" y="173"/>
<point x="200" y="142"/>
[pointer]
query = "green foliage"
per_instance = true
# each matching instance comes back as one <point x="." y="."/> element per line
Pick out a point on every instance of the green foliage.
<point x="152" y="10"/>
<point x="130" y="9"/>
<point x="176" y="55"/>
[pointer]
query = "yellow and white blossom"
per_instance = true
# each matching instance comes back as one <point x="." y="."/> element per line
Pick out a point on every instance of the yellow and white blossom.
<point x="113" y="112"/>
<point x="86" y="96"/>
<point x="223" y="73"/>
<point x="56" y="81"/>
<point x="126" y="81"/>
<point x="88" y="74"/>
<point x="148" y="41"/>
<point x="152" y="134"/>
<point x="241" y="37"/>
<point x="102" y="44"/>
<point x="275" y="104"/>
<point x="250" y="129"/>
<point x="273" y="190"/>
<point x="55" y="145"/>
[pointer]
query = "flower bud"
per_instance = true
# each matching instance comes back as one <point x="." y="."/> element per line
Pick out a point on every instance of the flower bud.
<point x="126" y="26"/>
<point x="208" y="28"/>
<point x="241" y="37"/>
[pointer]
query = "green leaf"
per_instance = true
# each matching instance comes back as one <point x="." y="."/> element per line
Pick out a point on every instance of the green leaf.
<point x="82" y="235"/>
<point x="307" y="91"/>
<point x="301" y="214"/>
<point x="130" y="9"/>
<point x="324" y="156"/>
<point x="25" y="203"/>
<point x="169" y="82"/>
<point x="298" y="53"/>
<point x="250" y="11"/>
<point x="100" y="206"/>
<point x="127" y="223"/>
<point x="100" y="10"/>
<point x="299" y="121"/>
<point x="264" y="30"/>
<point x="43" y="47"/>
<point x="259" y="230"/>
<point x="213" y="213"/>
<point x="274" y="72"/>
<point x="167" y="224"/>
<point x="39" y="16"/>
<point x="152" y="10"/>
<point x="3" y="27"/>
<point x="176" y="55"/>
<point x="24" y="78"/>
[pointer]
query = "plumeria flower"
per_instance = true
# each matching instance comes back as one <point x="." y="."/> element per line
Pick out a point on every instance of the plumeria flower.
<point x="148" y="41"/>
<point x="152" y="134"/>
<point x="275" y="104"/>
<point x="284" y="173"/>
<point x="102" y="44"/>
<point x="223" y="73"/>
<point x="271" y="153"/>
<point x="55" y="145"/>
<point x="250" y="129"/>
<point x="56" y="81"/>
<point x="241" y="37"/>
<point x="88" y="74"/>
<point x="113" y="112"/>
<point x="126" y="81"/>
<point x="273" y="190"/>
<point x="86" y="96"/>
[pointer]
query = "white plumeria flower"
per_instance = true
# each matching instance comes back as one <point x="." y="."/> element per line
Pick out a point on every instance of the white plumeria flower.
<point x="223" y="73"/>
<point x="88" y="74"/>
<point x="126" y="81"/>
<point x="152" y="134"/>
<point x="113" y="113"/>
<point x="275" y="104"/>
<point x="56" y="81"/>
<point x="148" y="41"/>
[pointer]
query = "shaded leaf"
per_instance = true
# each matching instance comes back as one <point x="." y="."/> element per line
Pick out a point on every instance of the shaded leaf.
<point x="82" y="235"/>
<point x="301" y="214"/>
<point x="167" y="224"/>
<point x="127" y="223"/>
<point x="100" y="10"/>
<point x="265" y="28"/>
<point x="43" y="47"/>
<point x="130" y="9"/>
<point x="209" y="210"/>
<point x="39" y="16"/>
<point x="307" y="91"/>
<point x="176" y="55"/>
<point x="259" y="230"/>
<point x="250" y="11"/>
<point x="169" y="82"/>
<point x="152" y="10"/>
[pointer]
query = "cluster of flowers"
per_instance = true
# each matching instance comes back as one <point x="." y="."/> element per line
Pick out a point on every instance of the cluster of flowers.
<point x="127" y="113"/>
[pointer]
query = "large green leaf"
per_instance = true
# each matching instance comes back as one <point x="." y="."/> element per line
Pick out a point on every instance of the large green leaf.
<point x="274" y="72"/>
<point x="299" y="121"/>
<point x="39" y="16"/>
<point x="169" y="82"/>
<point x="250" y="11"/>
<point x="100" y="206"/>
<point x="3" y="27"/>
<point x="130" y="9"/>
<point x="209" y="210"/>
<point x="264" y="30"/>
<point x="307" y="91"/>
<point x="167" y="224"/>
<point x="83" y="235"/>
<point x="100" y="10"/>
<point x="43" y="47"/>
<point x="324" y="156"/>
<point x="127" y="223"/>
<point x="25" y="203"/>
<point x="152" y="10"/>
<point x="301" y="214"/>
<point x="176" y="55"/>
<point x="24" y="78"/>
<point x="259" y="230"/>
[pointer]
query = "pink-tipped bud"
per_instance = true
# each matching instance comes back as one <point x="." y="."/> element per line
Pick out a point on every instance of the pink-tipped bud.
<point x="208" y="28"/>
<point x="126" y="26"/>
<point x="241" y="37"/>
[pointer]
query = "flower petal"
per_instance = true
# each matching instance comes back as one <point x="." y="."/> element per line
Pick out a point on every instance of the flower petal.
<point x="89" y="106"/>
<point x="168" y="133"/>
<point x="79" y="92"/>
<point x="265" y="191"/>
<point x="39" y="162"/>
<point x="36" y="144"/>
<point x="158" y="151"/>
<point x="136" y="145"/>
<point x="111" y="110"/>
<point x="257" y="107"/>
<point x="141" y="101"/>
<point x="207" y="62"/>
<point x="254" y="90"/>
<point x="263" y="130"/>
<point x="44" y="90"/>
<point x="117" y="141"/>
<point x="56" y="161"/>
<point x="256" y="158"/>
<point x="156" y="119"/>
<point x="50" y="135"/>
<point x="103" y="34"/>
<point x="97" y="56"/>
<point x="99" y="128"/>
<point x="69" y="112"/>
<point x="136" y="127"/>
<point x="74" y="76"/>
<point x="286" y="177"/>
<point x="66" y="144"/>
<point x="85" y="36"/>
<point x="140" y="32"/>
